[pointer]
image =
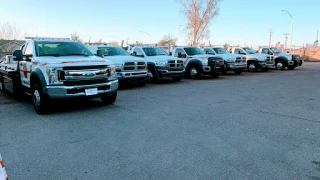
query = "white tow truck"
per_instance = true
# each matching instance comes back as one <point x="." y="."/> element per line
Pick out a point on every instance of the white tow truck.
<point x="128" y="68"/>
<point x="159" y="63"/>
<point x="233" y="62"/>
<point x="58" y="68"/>
<point x="255" y="60"/>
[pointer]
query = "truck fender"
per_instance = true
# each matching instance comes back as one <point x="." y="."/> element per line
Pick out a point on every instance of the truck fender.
<point x="36" y="76"/>
<point x="152" y="67"/>
<point x="196" y="62"/>
<point x="277" y="59"/>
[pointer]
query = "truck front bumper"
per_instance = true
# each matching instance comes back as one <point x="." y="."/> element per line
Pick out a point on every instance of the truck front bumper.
<point x="164" y="71"/>
<point x="62" y="92"/>
<point x="236" y="66"/>
<point x="213" y="69"/>
<point x="132" y="76"/>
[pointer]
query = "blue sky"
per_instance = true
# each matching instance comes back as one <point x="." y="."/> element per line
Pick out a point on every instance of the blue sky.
<point x="239" y="23"/>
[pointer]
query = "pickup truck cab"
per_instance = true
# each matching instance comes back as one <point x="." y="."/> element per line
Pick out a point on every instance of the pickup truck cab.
<point x="159" y="63"/>
<point x="56" y="68"/>
<point x="234" y="62"/>
<point x="128" y="68"/>
<point x="282" y="60"/>
<point x="197" y="63"/>
<point x="255" y="60"/>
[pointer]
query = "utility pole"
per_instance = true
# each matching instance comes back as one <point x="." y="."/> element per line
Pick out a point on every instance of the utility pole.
<point x="270" y="37"/>
<point x="286" y="39"/>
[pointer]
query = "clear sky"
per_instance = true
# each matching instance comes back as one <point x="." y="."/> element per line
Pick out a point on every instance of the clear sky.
<point x="240" y="21"/>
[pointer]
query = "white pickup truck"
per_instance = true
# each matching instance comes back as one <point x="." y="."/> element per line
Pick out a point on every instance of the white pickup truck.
<point x="282" y="59"/>
<point x="58" y="68"/>
<point x="159" y="63"/>
<point x="197" y="63"/>
<point x="128" y="68"/>
<point x="255" y="60"/>
<point x="233" y="62"/>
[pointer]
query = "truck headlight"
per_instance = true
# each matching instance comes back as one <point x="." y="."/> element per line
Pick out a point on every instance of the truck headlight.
<point x="52" y="74"/>
<point x="113" y="74"/>
<point x="289" y="58"/>
<point x="231" y="60"/>
<point x="204" y="61"/>
<point x="161" y="63"/>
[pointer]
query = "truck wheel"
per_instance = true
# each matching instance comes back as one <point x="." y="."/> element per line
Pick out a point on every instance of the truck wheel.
<point x="153" y="78"/>
<point x="194" y="72"/>
<point x="39" y="100"/>
<point x="238" y="71"/>
<point x="291" y="67"/>
<point x="109" y="99"/>
<point x="2" y="86"/>
<point x="252" y="66"/>
<point x="177" y="78"/>
<point x="280" y="65"/>
<point x="300" y="63"/>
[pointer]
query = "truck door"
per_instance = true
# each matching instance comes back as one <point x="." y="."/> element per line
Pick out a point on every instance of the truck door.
<point x="25" y="65"/>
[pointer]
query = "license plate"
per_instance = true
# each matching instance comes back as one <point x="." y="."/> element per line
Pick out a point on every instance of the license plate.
<point x="92" y="91"/>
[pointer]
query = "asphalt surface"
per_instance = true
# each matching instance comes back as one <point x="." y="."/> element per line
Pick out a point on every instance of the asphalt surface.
<point x="263" y="125"/>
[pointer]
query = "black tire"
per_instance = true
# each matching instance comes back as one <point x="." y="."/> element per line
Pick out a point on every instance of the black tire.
<point x="39" y="100"/>
<point x="154" y="77"/>
<point x="282" y="67"/>
<point x="238" y="71"/>
<point x="177" y="78"/>
<point x="109" y="99"/>
<point x="2" y="85"/>
<point x="291" y="67"/>
<point x="194" y="74"/>
<point x="252" y="66"/>
<point x="300" y="64"/>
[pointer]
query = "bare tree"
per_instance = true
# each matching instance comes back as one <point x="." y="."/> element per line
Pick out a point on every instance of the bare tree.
<point x="75" y="37"/>
<point x="114" y="43"/>
<point x="10" y="31"/>
<point x="199" y="14"/>
<point x="226" y="46"/>
<point x="166" y="39"/>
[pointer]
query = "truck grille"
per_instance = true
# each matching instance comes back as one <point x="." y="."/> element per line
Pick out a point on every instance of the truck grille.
<point x="215" y="61"/>
<point x="270" y="60"/>
<point x="175" y="63"/>
<point x="241" y="60"/>
<point x="295" y="57"/>
<point x="83" y="74"/>
<point x="134" y="66"/>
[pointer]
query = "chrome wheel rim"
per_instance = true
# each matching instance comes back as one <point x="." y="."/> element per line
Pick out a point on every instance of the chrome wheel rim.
<point x="252" y="67"/>
<point x="193" y="72"/>
<point x="279" y="65"/>
<point x="36" y="99"/>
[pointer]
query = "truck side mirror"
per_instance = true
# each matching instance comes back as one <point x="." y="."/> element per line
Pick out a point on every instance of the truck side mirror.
<point x="170" y="53"/>
<point x="100" y="53"/>
<point x="288" y="52"/>
<point x="17" y="55"/>
<point x="179" y="55"/>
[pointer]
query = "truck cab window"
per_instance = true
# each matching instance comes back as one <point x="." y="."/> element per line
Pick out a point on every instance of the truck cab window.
<point x="138" y="51"/>
<point x="178" y="51"/>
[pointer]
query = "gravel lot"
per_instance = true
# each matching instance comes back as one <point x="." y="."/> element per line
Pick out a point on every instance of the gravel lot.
<point x="263" y="125"/>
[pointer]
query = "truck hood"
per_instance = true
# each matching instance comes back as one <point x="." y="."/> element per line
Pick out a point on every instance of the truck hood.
<point x="227" y="56"/>
<point x="204" y="56"/>
<point x="258" y="56"/>
<point x="123" y="59"/>
<point x="64" y="61"/>
<point x="284" y="54"/>
<point x="160" y="58"/>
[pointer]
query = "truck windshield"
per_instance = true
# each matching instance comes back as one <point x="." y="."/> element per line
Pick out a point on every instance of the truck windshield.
<point x="221" y="51"/>
<point x="249" y="50"/>
<point x="276" y="50"/>
<point x="193" y="51"/>
<point x="61" y="48"/>
<point x="154" y="51"/>
<point x="114" y="51"/>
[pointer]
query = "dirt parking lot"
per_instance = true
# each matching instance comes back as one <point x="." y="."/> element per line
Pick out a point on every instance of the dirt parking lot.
<point x="263" y="125"/>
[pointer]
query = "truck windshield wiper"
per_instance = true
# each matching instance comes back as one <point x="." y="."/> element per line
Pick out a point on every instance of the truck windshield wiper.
<point x="76" y="54"/>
